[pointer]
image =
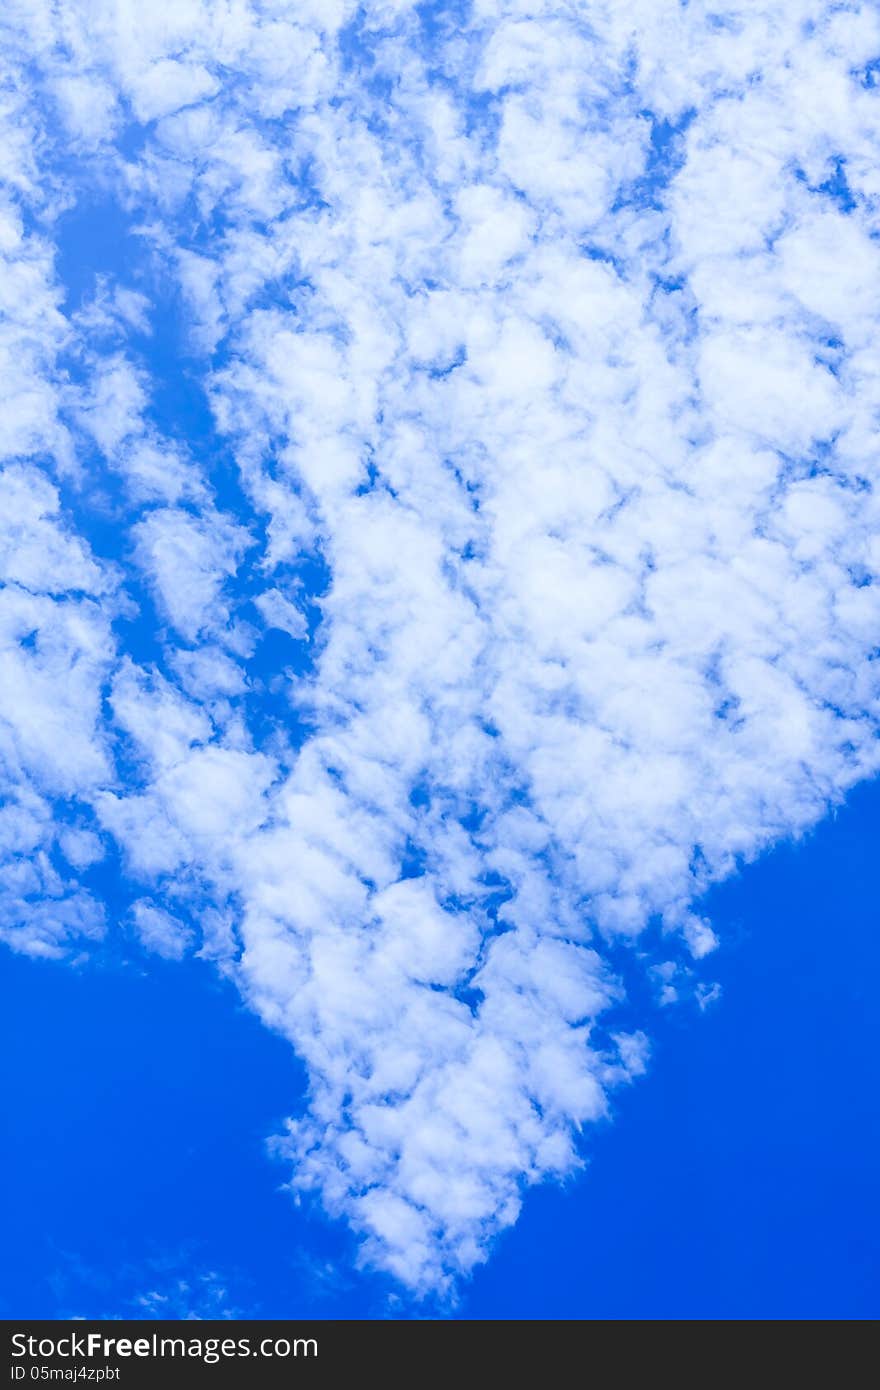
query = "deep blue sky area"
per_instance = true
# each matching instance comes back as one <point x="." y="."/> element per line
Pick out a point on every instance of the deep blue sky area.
<point x="739" y="1179"/>
<point x="465" y="255"/>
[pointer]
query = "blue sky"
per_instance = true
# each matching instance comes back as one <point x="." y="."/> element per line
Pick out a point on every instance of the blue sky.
<point x="439" y="581"/>
<point x="738" y="1182"/>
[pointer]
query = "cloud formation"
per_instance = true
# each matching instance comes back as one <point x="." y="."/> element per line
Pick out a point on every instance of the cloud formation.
<point x="522" y="358"/>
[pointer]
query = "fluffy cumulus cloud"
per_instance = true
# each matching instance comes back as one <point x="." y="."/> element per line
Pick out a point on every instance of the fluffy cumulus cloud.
<point x="439" y="530"/>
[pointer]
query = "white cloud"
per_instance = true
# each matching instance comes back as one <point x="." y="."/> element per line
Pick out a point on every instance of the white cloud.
<point x="278" y="611"/>
<point x="159" y="931"/>
<point x="81" y="848"/>
<point x="88" y="106"/>
<point x="165" y="86"/>
<point x="188" y="559"/>
<point x="37" y="553"/>
<point x="554" y="345"/>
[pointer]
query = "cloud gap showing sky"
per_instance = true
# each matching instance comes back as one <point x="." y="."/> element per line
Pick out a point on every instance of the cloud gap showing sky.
<point x="438" y="533"/>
